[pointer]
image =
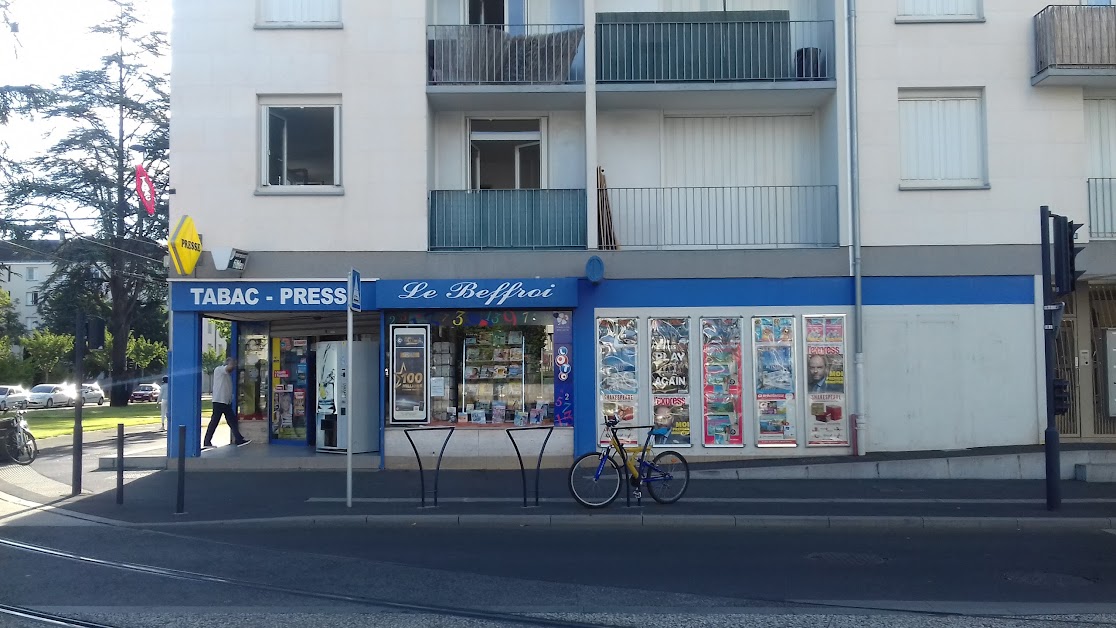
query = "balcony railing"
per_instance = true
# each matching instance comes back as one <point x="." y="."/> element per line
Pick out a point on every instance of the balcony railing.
<point x="713" y="51"/>
<point x="720" y="217"/>
<point x="507" y="219"/>
<point x="1075" y="37"/>
<point x="497" y="55"/>
<point x="1102" y="208"/>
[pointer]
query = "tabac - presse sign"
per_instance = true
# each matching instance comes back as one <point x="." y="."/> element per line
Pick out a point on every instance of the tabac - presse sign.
<point x="185" y="246"/>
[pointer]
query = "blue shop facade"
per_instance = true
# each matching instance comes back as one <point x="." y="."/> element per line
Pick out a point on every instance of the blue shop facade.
<point x="735" y="367"/>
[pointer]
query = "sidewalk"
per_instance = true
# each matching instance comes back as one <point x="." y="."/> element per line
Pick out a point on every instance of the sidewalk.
<point x="495" y="498"/>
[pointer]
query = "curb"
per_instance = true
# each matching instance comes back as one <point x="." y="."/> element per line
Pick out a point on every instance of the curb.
<point x="663" y="522"/>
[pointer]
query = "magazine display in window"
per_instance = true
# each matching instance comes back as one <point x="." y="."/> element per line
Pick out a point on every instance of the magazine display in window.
<point x="492" y="379"/>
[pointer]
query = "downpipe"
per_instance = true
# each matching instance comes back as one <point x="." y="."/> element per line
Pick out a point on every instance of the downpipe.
<point x="860" y="413"/>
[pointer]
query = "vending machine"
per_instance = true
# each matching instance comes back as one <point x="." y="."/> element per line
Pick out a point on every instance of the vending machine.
<point x="339" y="398"/>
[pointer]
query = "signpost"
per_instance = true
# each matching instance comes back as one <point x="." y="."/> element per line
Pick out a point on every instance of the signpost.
<point x="354" y="306"/>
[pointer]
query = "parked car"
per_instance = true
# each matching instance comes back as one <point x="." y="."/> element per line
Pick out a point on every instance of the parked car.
<point x="146" y="392"/>
<point x="12" y="397"/>
<point x="50" y="395"/>
<point x="92" y="393"/>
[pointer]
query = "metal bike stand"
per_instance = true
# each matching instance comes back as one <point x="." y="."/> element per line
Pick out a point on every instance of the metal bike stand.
<point x="418" y="458"/>
<point x="538" y="465"/>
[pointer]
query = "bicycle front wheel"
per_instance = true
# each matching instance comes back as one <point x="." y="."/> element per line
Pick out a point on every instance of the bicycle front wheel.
<point x="594" y="480"/>
<point x="22" y="453"/>
<point x="668" y="478"/>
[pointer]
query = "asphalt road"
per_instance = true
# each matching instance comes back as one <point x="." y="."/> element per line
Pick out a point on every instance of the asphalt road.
<point x="612" y="577"/>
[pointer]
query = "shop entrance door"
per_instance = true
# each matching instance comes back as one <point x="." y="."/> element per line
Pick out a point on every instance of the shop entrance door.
<point x="290" y="389"/>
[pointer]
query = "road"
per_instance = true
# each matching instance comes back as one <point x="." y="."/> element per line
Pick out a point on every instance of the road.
<point x="613" y="577"/>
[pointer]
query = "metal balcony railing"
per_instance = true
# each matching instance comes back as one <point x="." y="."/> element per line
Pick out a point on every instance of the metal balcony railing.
<point x="503" y="55"/>
<point x="713" y="51"/>
<point x="721" y="217"/>
<point x="1102" y="208"/>
<point x="1075" y="37"/>
<point x="507" y="219"/>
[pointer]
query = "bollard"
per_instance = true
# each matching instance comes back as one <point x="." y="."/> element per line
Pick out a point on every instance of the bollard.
<point x="119" y="463"/>
<point x="180" y="509"/>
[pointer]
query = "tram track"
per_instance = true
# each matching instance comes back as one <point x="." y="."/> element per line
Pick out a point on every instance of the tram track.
<point x="190" y="576"/>
<point x="49" y="619"/>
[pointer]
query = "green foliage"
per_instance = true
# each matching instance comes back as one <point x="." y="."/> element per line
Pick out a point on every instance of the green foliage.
<point x="100" y="360"/>
<point x="211" y="360"/>
<point x="13" y="369"/>
<point x="144" y="352"/>
<point x="224" y="329"/>
<point x="47" y="350"/>
<point x="10" y="324"/>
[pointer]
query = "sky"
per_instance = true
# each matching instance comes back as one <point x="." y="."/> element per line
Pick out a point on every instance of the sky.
<point x="54" y="39"/>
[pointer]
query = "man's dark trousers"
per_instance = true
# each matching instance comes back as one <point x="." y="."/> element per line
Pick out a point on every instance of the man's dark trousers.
<point x="220" y="409"/>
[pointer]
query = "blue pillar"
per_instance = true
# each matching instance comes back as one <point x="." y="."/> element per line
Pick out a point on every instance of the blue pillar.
<point x="584" y="363"/>
<point x="184" y="369"/>
<point x="234" y="352"/>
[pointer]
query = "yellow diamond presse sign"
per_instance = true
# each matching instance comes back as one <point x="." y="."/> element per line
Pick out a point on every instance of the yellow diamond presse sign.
<point x="185" y="246"/>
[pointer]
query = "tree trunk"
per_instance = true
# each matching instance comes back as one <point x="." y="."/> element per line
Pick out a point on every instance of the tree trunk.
<point x="121" y="328"/>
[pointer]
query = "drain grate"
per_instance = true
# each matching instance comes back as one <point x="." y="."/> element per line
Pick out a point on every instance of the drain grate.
<point x="1048" y="579"/>
<point x="848" y="558"/>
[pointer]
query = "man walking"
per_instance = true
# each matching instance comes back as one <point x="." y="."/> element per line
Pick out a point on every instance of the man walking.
<point x="222" y="404"/>
<point x="163" y="389"/>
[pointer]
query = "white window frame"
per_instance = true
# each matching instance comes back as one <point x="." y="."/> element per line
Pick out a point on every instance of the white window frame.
<point x="30" y="273"/>
<point x="523" y="137"/>
<point x="32" y="298"/>
<point x="979" y="183"/>
<point x="263" y="187"/>
<point x="943" y="18"/>
<point x="266" y="25"/>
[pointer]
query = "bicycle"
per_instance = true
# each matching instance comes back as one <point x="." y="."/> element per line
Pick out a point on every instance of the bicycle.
<point x="18" y="443"/>
<point x="601" y="471"/>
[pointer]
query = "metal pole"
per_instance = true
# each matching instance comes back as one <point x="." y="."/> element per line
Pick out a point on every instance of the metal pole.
<point x="1053" y="462"/>
<point x="119" y="463"/>
<point x="79" y="375"/>
<point x="180" y="508"/>
<point x="349" y="379"/>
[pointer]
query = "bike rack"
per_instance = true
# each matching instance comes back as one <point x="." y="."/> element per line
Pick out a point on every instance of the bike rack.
<point x="418" y="458"/>
<point x="538" y="465"/>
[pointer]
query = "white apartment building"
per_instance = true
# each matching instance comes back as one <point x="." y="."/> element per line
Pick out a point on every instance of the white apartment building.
<point x="27" y="268"/>
<point x="564" y="210"/>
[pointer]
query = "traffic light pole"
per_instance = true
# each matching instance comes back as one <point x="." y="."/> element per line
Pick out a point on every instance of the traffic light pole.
<point x="79" y="377"/>
<point x="1053" y="456"/>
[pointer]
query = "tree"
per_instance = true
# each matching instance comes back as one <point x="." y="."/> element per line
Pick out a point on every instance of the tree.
<point x="211" y="360"/>
<point x="88" y="170"/>
<point x="13" y="369"/>
<point x="10" y="324"/>
<point x="47" y="350"/>
<point x="224" y="330"/>
<point x="143" y="352"/>
<point x="100" y="360"/>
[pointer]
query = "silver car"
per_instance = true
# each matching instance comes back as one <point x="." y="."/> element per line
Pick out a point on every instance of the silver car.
<point x="51" y="395"/>
<point x="12" y="397"/>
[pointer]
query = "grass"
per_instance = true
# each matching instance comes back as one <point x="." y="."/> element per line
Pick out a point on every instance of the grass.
<point x="60" y="422"/>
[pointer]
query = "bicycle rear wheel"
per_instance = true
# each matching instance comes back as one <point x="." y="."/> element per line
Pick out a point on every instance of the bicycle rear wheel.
<point x="669" y="477"/>
<point x="594" y="480"/>
<point x="23" y="454"/>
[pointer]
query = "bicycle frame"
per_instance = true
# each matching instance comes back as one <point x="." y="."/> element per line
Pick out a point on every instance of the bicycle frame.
<point x="641" y="472"/>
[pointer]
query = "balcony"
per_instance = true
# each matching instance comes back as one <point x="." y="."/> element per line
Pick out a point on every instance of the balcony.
<point x="507" y="219"/>
<point x="496" y="67"/>
<point x="1075" y="46"/>
<point x="1102" y="208"/>
<point x="716" y="51"/>
<point x="719" y="217"/>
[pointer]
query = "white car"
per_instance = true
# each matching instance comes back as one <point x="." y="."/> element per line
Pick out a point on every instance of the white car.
<point x="50" y="395"/>
<point x="92" y="393"/>
<point x="12" y="397"/>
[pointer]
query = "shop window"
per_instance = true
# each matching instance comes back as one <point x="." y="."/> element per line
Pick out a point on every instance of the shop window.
<point x="506" y="154"/>
<point x="478" y="369"/>
<point x="301" y="146"/>
<point x="253" y="372"/>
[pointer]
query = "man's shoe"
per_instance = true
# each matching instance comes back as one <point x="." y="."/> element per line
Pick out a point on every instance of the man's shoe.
<point x="243" y="443"/>
<point x="207" y="446"/>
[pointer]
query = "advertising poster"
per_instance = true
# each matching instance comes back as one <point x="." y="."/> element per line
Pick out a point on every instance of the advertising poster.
<point x="722" y="390"/>
<point x="563" y="369"/>
<point x="670" y="378"/>
<point x="410" y="364"/>
<point x="825" y="381"/>
<point x="618" y="375"/>
<point x="775" y="381"/>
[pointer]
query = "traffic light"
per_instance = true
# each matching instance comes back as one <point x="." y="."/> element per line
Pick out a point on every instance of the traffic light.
<point x="1065" y="255"/>
<point x="1061" y="396"/>
<point x="95" y="333"/>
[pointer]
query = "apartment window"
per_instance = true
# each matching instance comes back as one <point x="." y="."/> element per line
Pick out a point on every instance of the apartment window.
<point x="942" y="139"/>
<point x="940" y="10"/>
<point x="32" y="299"/>
<point x="507" y="154"/>
<point x="300" y="147"/>
<point x="298" y="13"/>
<point x="30" y="273"/>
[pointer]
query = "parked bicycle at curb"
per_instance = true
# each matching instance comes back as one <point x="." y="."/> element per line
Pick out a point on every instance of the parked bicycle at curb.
<point x="17" y="441"/>
<point x="595" y="477"/>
